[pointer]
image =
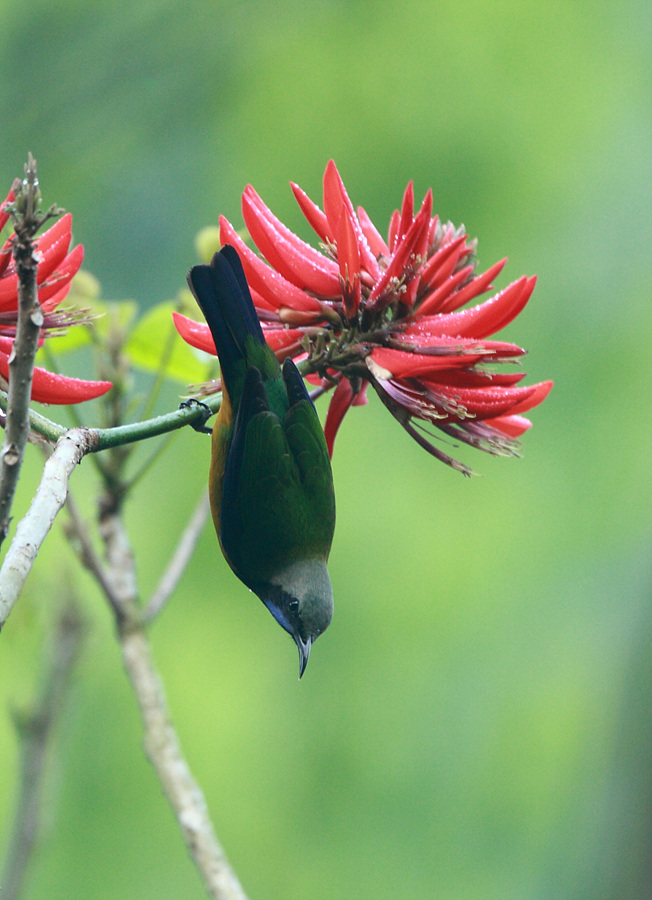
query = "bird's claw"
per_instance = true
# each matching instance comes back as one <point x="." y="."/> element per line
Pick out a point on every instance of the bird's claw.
<point x="207" y="412"/>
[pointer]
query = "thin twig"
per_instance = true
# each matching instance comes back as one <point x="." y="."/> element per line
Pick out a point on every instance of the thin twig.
<point x="126" y="434"/>
<point x="180" y="560"/>
<point x="35" y="727"/>
<point x="78" y="533"/>
<point x="38" y="423"/>
<point x="165" y="754"/>
<point x="33" y="528"/>
<point x="121" y="567"/>
<point x="161" y="742"/>
<point x="27" y="221"/>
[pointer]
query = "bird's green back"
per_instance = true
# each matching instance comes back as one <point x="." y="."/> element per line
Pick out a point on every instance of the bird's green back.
<point x="285" y="499"/>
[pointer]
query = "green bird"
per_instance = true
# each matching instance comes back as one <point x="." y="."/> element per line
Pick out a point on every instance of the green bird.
<point x="270" y="481"/>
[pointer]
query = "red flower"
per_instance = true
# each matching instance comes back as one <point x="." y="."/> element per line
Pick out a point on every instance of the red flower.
<point x="56" y="268"/>
<point x="388" y="313"/>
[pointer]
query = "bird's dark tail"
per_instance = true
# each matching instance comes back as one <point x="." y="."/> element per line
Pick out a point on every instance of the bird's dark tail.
<point x="223" y="296"/>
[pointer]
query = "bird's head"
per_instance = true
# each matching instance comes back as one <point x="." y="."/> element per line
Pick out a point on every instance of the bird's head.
<point x="300" y="598"/>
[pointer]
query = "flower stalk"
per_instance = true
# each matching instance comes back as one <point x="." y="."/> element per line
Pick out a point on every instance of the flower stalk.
<point x="164" y="753"/>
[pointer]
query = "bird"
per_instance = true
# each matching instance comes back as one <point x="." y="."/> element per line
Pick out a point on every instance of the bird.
<point x="270" y="479"/>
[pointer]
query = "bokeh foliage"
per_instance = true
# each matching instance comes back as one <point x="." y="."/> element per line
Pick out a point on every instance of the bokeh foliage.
<point x="476" y="722"/>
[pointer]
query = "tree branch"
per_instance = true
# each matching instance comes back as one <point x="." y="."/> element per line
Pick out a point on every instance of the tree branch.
<point x="78" y="534"/>
<point x="164" y="753"/>
<point x="71" y="447"/>
<point x="125" y="434"/>
<point x="180" y="560"/>
<point x="33" y="528"/>
<point x="118" y="582"/>
<point x="27" y="221"/>
<point x="161" y="742"/>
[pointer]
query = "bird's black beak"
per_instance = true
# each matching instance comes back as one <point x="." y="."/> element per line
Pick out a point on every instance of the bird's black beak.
<point x="304" y="652"/>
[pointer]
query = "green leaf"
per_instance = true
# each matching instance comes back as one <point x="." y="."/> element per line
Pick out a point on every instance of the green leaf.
<point x="154" y="344"/>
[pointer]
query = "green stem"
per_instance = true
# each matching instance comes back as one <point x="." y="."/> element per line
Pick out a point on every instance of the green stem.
<point x="139" y="431"/>
<point x="124" y="434"/>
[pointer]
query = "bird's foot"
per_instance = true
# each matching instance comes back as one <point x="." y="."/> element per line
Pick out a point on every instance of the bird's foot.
<point x="199" y="426"/>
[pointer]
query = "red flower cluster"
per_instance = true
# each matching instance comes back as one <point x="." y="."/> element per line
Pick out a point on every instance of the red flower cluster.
<point x="365" y="310"/>
<point x="56" y="268"/>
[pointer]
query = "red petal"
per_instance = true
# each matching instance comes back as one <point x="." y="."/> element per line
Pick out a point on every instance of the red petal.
<point x="432" y="303"/>
<point x="53" y="246"/>
<point x="283" y="341"/>
<point x="407" y="210"/>
<point x="50" y="388"/>
<point x="432" y="230"/>
<point x="261" y="303"/>
<point x="335" y="199"/>
<point x="340" y="404"/>
<point x="63" y="274"/>
<point x="197" y="334"/>
<point x="448" y="345"/>
<point x="297" y="261"/>
<point x="511" y="426"/>
<point x="483" y="403"/>
<point x="361" y="399"/>
<point x="5" y="254"/>
<point x="313" y="214"/>
<point x="261" y="278"/>
<point x="9" y="291"/>
<point x="478" y="321"/>
<point x="399" y="263"/>
<point x="376" y="244"/>
<point x="393" y="233"/>
<point x="53" y="301"/>
<point x="471" y="378"/>
<point x="403" y="364"/>
<point x="348" y="258"/>
<point x="539" y="393"/>
<point x="442" y="263"/>
<point x="421" y="246"/>
<point x="4" y="216"/>
<point x="478" y="285"/>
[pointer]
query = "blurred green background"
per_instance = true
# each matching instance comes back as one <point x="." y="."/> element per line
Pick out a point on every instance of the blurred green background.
<point x="476" y="723"/>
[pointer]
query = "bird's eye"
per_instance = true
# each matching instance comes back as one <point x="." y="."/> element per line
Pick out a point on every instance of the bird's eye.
<point x="294" y="605"/>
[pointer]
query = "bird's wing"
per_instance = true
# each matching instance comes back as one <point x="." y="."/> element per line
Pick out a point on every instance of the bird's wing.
<point x="277" y="499"/>
<point x="307" y="445"/>
<point x="262" y="514"/>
